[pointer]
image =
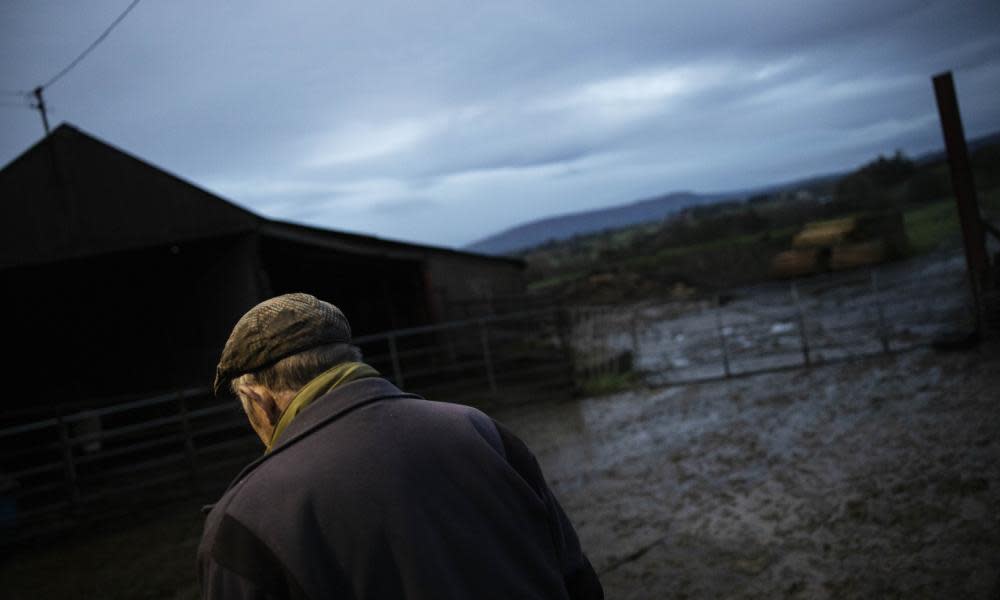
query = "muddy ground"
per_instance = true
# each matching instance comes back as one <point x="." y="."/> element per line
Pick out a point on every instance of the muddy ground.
<point x="867" y="479"/>
<point x="872" y="477"/>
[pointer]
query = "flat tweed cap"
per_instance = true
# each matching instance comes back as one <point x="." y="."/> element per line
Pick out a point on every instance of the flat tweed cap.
<point x="277" y="328"/>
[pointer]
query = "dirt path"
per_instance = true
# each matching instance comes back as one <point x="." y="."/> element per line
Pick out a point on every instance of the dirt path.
<point x="875" y="478"/>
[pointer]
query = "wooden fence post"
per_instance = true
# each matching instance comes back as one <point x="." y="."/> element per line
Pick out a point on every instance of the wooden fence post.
<point x="802" y="324"/>
<point x="484" y="337"/>
<point x="883" y="330"/>
<point x="722" y="336"/>
<point x="397" y="372"/>
<point x="69" y="464"/>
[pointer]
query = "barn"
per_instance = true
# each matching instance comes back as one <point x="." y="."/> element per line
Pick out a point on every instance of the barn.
<point x="121" y="280"/>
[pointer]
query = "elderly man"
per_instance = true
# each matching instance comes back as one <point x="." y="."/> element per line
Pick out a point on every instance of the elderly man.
<point x="365" y="491"/>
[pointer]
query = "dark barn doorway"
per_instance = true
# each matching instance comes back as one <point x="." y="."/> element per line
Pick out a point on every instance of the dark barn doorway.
<point x="376" y="293"/>
<point x="93" y="330"/>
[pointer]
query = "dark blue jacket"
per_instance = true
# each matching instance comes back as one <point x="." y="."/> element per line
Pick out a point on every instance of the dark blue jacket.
<point x="374" y="493"/>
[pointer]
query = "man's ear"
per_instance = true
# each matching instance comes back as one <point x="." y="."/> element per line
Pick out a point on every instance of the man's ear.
<point x="263" y="398"/>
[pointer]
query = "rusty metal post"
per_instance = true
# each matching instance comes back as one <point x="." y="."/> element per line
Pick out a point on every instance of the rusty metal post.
<point x="973" y="235"/>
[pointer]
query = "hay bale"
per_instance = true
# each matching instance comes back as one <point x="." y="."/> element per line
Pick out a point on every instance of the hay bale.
<point x="792" y="263"/>
<point x="848" y="256"/>
<point x="824" y="233"/>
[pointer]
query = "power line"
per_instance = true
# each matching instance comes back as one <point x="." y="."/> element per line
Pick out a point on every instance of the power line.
<point x="93" y="45"/>
<point x="39" y="104"/>
<point x="8" y="99"/>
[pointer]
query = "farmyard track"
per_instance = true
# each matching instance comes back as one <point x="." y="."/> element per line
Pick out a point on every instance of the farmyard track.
<point x="870" y="478"/>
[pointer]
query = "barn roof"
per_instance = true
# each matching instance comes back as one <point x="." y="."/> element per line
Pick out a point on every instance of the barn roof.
<point x="72" y="195"/>
<point x="368" y="245"/>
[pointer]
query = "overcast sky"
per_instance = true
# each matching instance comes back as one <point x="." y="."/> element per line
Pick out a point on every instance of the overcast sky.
<point x="444" y="122"/>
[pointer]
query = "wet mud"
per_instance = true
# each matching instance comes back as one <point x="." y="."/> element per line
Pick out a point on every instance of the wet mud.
<point x="874" y="478"/>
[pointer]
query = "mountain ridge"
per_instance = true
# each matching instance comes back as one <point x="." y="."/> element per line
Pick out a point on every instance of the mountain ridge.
<point x="566" y="225"/>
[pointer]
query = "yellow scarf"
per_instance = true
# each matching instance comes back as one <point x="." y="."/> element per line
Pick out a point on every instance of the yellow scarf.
<point x="321" y="384"/>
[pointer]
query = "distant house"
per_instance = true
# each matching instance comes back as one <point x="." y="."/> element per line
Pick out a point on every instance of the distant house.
<point x="121" y="279"/>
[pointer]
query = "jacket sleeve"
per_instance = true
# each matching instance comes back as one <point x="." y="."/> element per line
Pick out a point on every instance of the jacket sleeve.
<point x="578" y="574"/>
<point x="218" y="582"/>
<point x="233" y="562"/>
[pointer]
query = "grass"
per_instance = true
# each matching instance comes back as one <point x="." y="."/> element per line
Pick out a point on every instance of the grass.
<point x="745" y="240"/>
<point x="609" y="383"/>
<point x="929" y="226"/>
<point x="932" y="225"/>
<point x="555" y="280"/>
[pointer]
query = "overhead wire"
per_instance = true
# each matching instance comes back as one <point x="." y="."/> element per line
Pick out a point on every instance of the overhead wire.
<point x="93" y="45"/>
<point x="39" y="104"/>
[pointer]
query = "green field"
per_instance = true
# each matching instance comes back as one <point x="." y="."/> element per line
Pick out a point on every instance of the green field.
<point x="928" y="227"/>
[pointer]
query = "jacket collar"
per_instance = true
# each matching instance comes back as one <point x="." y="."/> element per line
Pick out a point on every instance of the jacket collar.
<point x="326" y="381"/>
<point x="329" y="407"/>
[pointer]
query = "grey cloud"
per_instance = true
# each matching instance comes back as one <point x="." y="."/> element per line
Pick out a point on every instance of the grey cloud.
<point x="513" y="158"/>
<point x="467" y="97"/>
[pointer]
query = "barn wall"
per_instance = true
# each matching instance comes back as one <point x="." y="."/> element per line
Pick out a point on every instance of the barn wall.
<point x="122" y="280"/>
<point x="104" y="329"/>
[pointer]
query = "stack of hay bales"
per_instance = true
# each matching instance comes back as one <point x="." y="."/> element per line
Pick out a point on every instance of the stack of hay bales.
<point x="843" y="244"/>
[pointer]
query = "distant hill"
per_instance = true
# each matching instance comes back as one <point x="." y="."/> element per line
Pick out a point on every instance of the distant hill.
<point x="973" y="144"/>
<point x="563" y="227"/>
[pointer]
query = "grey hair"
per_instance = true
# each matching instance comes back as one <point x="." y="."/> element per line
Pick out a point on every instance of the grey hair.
<point x="291" y="373"/>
